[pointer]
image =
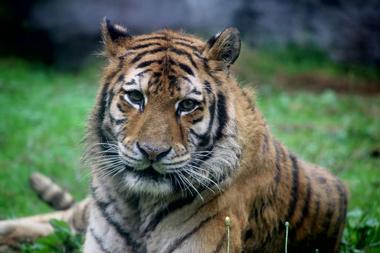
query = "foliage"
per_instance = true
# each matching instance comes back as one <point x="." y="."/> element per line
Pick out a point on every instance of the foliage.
<point x="362" y="233"/>
<point x="61" y="241"/>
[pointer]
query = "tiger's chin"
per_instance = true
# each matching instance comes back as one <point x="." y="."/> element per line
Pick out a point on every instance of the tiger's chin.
<point x="147" y="182"/>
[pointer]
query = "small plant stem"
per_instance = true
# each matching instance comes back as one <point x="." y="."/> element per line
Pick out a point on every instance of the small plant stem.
<point x="286" y="236"/>
<point x="227" y="223"/>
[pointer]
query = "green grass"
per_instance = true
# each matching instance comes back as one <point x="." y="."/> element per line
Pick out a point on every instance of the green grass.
<point x="43" y="116"/>
<point x="269" y="62"/>
<point x="338" y="132"/>
<point x="62" y="240"/>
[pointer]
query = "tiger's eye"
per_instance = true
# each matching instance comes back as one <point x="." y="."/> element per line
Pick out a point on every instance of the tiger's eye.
<point x="187" y="105"/>
<point x="136" y="97"/>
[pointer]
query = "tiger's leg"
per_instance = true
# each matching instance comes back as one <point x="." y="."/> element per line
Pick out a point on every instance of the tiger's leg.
<point x="29" y="228"/>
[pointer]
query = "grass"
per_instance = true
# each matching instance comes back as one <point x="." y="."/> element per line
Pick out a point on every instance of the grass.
<point x="43" y="122"/>
<point x="43" y="116"/>
<point x="268" y="62"/>
<point x="61" y="241"/>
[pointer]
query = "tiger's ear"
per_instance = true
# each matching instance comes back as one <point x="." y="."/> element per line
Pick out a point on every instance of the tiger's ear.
<point x="224" y="46"/>
<point x="115" y="37"/>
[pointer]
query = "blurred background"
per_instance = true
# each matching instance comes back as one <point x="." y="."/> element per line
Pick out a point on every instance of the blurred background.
<point x="314" y="63"/>
<point x="66" y="31"/>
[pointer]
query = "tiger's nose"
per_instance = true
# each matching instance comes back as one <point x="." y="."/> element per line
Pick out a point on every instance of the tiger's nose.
<point x="153" y="153"/>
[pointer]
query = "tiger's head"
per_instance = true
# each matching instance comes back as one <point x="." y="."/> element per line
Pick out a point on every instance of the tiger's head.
<point x="164" y="121"/>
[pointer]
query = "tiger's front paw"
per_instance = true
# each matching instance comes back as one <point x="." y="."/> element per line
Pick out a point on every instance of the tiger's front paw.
<point x="13" y="232"/>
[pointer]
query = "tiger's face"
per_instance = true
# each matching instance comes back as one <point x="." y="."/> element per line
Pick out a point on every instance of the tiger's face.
<point x="164" y="120"/>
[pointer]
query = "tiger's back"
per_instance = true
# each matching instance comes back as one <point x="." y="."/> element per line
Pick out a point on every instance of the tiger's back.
<point x="309" y="198"/>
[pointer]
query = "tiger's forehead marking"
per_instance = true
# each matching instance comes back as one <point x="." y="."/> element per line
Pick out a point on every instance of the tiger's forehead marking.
<point x="156" y="81"/>
<point x="184" y="86"/>
<point x="165" y="61"/>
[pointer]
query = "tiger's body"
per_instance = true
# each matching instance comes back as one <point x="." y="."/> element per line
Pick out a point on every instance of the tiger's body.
<point x="175" y="146"/>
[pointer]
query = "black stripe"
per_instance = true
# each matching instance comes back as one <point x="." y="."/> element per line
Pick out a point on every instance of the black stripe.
<point x="120" y="78"/>
<point x="132" y="82"/>
<point x="221" y="242"/>
<point x="102" y="104"/>
<point x="99" y="241"/>
<point x="101" y="114"/>
<point x="111" y="94"/>
<point x="222" y="116"/>
<point x="56" y="199"/>
<point x="186" y="78"/>
<point x="187" y="45"/>
<point x="279" y="153"/>
<point x="199" y="55"/>
<point x="209" y="72"/>
<point x="173" y="81"/>
<point x="199" y="136"/>
<point x="329" y="212"/>
<point x="84" y="214"/>
<point x="204" y="139"/>
<point x="151" y="38"/>
<point x="102" y="206"/>
<point x="142" y="54"/>
<point x="306" y="206"/>
<point x="294" y="189"/>
<point x="207" y="87"/>
<point x="197" y="92"/>
<point x="195" y="121"/>
<point x="259" y="209"/>
<point x="186" y="68"/>
<point x="120" y="121"/>
<point x="317" y="209"/>
<point x="321" y="180"/>
<point x="181" y="52"/>
<point x="199" y="208"/>
<point x="342" y="207"/>
<point x="266" y="142"/>
<point x="182" y="39"/>
<point x="342" y="199"/>
<point x="180" y="240"/>
<point x="157" y="74"/>
<point x="145" y="45"/>
<point x="248" y="234"/>
<point x="256" y="211"/>
<point x="117" y="121"/>
<point x="172" y="207"/>
<point x="148" y="63"/>
<point x="140" y="74"/>
<point x="119" y="106"/>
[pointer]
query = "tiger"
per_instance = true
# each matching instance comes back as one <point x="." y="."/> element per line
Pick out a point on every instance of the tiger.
<point x="175" y="146"/>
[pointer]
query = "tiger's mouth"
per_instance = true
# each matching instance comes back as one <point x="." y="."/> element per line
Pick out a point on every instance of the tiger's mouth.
<point x="148" y="173"/>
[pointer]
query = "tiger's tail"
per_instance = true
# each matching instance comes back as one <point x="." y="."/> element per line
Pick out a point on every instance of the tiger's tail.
<point x="15" y="231"/>
<point x="50" y="192"/>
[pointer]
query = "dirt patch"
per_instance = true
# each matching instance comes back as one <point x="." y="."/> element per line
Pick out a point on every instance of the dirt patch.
<point x="315" y="82"/>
